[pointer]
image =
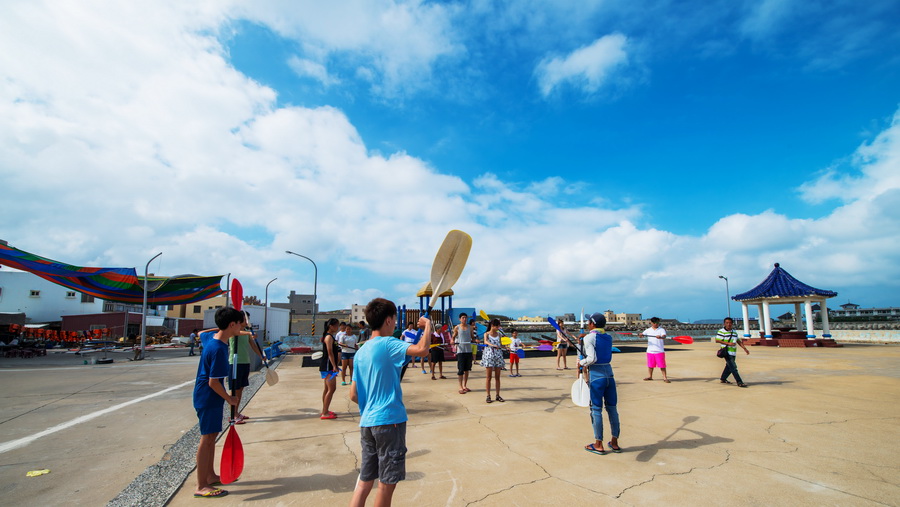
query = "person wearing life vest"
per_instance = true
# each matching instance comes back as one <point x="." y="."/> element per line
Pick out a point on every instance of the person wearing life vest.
<point x="598" y="373"/>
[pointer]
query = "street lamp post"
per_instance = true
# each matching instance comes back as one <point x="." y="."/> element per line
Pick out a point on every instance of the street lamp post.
<point x="266" y="313"/>
<point x="315" y="285"/>
<point x="727" y="296"/>
<point x="144" y="308"/>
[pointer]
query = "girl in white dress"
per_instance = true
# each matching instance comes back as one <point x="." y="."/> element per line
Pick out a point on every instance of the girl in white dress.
<point x="492" y="359"/>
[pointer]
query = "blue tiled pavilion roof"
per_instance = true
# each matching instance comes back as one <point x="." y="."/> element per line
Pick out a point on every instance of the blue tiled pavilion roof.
<point x="780" y="284"/>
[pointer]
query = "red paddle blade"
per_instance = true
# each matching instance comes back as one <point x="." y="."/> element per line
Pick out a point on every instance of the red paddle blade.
<point x="237" y="294"/>
<point x="232" y="458"/>
<point x="686" y="340"/>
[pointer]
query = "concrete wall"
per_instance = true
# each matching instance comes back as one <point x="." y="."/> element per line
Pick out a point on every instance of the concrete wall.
<point x="865" y="336"/>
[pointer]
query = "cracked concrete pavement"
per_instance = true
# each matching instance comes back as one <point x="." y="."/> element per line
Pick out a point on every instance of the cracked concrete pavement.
<point x="816" y="426"/>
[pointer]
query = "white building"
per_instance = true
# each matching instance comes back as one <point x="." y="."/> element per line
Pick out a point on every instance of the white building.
<point x="277" y="321"/>
<point x="853" y="310"/>
<point x="40" y="300"/>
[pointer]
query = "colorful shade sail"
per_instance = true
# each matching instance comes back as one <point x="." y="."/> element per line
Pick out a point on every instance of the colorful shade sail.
<point x="121" y="285"/>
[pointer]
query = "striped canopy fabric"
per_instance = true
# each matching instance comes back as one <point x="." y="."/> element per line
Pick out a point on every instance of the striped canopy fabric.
<point x="121" y="285"/>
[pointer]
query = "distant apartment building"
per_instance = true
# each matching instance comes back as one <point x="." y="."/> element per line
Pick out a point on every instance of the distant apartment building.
<point x="531" y="319"/>
<point x="299" y="304"/>
<point x="854" y="310"/>
<point x="196" y="310"/>
<point x="357" y="313"/>
<point x="629" y="319"/>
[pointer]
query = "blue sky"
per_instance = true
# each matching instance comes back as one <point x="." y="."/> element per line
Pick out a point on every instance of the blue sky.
<point x="602" y="154"/>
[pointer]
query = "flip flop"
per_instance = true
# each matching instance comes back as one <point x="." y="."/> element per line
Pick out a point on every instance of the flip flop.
<point x="462" y="391"/>
<point x="443" y="377"/>
<point x="215" y="493"/>
<point x="614" y="448"/>
<point x="648" y="378"/>
<point x="667" y="381"/>
<point x="591" y="448"/>
<point x="329" y="415"/>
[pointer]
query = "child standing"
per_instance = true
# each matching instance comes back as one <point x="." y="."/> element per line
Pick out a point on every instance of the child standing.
<point x="492" y="360"/>
<point x="514" y="345"/>
<point x="209" y="391"/>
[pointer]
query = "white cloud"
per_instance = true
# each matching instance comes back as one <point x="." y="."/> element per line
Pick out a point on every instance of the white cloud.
<point x="587" y="68"/>
<point x="311" y="69"/>
<point x="127" y="133"/>
<point x="397" y="42"/>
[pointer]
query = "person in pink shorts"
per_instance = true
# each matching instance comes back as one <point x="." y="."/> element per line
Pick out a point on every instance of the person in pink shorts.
<point x="656" y="351"/>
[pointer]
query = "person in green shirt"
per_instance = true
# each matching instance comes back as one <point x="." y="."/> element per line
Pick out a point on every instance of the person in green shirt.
<point x="241" y="345"/>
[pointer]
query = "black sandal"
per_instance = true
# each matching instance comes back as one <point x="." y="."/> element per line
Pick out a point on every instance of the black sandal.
<point x="498" y="398"/>
<point x="724" y="382"/>
<point x="742" y="384"/>
<point x="489" y="400"/>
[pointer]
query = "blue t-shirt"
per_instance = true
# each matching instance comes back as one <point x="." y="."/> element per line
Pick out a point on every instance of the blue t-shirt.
<point x="376" y="373"/>
<point x="213" y="365"/>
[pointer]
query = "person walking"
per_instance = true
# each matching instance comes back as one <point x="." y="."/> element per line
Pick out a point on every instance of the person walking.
<point x="492" y="360"/>
<point x="193" y="339"/>
<point x="728" y="339"/>
<point x="656" y="350"/>
<point x="597" y="347"/>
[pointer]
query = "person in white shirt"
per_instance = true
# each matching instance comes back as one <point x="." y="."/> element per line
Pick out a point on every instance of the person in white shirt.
<point x="514" y="345"/>
<point x="348" y="349"/>
<point x="656" y="351"/>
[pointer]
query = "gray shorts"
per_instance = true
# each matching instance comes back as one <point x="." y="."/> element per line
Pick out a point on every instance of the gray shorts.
<point x="383" y="453"/>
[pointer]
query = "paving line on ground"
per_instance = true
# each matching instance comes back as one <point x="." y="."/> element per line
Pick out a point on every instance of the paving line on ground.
<point x="22" y="442"/>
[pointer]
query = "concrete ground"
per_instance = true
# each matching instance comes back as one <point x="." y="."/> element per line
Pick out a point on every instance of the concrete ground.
<point x="95" y="427"/>
<point x="815" y="427"/>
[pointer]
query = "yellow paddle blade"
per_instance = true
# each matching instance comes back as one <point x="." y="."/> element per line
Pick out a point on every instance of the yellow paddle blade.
<point x="449" y="262"/>
<point x="506" y="340"/>
<point x="484" y="315"/>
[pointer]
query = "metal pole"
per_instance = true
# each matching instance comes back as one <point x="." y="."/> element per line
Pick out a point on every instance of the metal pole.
<point x="315" y="285"/>
<point x="727" y="296"/>
<point x="144" y="308"/>
<point x="266" y="314"/>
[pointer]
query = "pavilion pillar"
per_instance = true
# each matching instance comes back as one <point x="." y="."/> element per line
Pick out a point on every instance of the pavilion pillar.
<point x="759" y="314"/>
<point x="798" y="317"/>
<point x="767" y="321"/>
<point x="809" y="320"/>
<point x="826" y="331"/>
<point x="746" y="313"/>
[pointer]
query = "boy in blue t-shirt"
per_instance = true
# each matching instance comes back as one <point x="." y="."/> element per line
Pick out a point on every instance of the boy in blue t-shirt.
<point x="376" y="388"/>
<point x="209" y="391"/>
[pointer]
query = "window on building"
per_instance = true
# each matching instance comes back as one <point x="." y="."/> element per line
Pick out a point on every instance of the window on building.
<point x="308" y="312"/>
<point x="70" y="294"/>
<point x="35" y="293"/>
<point x="87" y="298"/>
<point x="197" y="308"/>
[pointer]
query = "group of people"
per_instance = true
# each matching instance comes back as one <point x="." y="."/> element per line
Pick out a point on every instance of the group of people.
<point x="376" y="376"/>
